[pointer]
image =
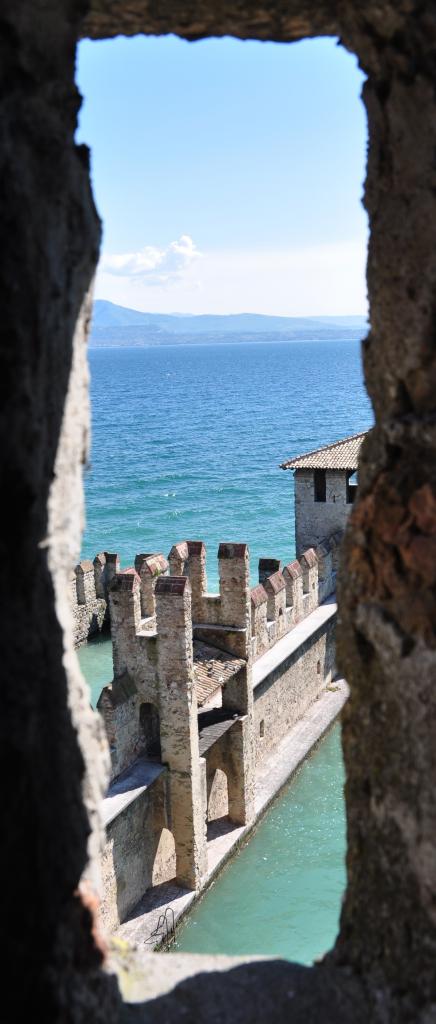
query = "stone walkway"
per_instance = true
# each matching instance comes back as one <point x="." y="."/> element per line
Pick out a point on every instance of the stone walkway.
<point x="291" y="641"/>
<point x="223" y="838"/>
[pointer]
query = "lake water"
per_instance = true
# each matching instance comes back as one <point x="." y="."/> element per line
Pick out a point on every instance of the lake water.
<point x="281" y="894"/>
<point x="187" y="442"/>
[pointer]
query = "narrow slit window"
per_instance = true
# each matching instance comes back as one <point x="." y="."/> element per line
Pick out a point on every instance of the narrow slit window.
<point x="351" y="486"/>
<point x="320" y="488"/>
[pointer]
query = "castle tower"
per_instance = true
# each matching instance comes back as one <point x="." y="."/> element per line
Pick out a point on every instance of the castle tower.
<point x="179" y="727"/>
<point x="325" y="486"/>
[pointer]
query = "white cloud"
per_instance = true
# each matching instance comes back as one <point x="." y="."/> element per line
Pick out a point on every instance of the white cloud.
<point x="310" y="280"/>
<point x="153" y="266"/>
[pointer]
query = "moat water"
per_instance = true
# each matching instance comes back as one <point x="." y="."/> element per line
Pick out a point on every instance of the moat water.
<point x="187" y="444"/>
<point x="281" y="894"/>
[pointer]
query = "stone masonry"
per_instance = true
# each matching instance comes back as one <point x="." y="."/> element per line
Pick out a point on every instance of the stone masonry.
<point x="324" y="490"/>
<point x="382" y="968"/>
<point x="88" y="593"/>
<point x="185" y="722"/>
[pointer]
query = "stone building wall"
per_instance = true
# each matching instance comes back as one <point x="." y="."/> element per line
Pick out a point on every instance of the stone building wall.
<point x="161" y="834"/>
<point x="383" y="964"/>
<point x="315" y="520"/>
<point x="88" y="595"/>
<point x="283" y="599"/>
<point x="282" y="698"/>
<point x="139" y="852"/>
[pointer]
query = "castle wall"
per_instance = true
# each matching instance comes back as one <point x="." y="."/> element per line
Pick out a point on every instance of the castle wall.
<point x="87" y="608"/>
<point x="284" y="695"/>
<point x="217" y="792"/>
<point x="315" y="520"/>
<point x="139" y="852"/>
<point x="179" y="727"/>
<point x="288" y="596"/>
<point x="88" y="595"/>
<point x="161" y="833"/>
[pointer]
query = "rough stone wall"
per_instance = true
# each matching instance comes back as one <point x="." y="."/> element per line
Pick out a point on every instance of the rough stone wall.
<point x="281" y="699"/>
<point x="231" y="607"/>
<point x="286" y="597"/>
<point x="88" y="590"/>
<point x="315" y="520"/>
<point x="388" y="583"/>
<point x="51" y="744"/>
<point x="388" y="929"/>
<point x="139" y="852"/>
<point x="120" y="706"/>
<point x="149" y="568"/>
<point x="179" y="727"/>
<point x="231" y="756"/>
<point x="88" y="609"/>
<point x="217" y="792"/>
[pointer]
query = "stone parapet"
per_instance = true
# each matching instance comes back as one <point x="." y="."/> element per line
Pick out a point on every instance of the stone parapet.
<point x="231" y="606"/>
<point x="149" y="567"/>
<point x="88" y="598"/>
<point x="287" y="596"/>
<point x="150" y="709"/>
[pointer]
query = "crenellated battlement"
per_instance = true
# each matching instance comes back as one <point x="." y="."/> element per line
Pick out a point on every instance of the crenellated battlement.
<point x="88" y="594"/>
<point x="283" y="597"/>
<point x="290" y="593"/>
<point x="148" y="621"/>
<point x="205" y="685"/>
<point x="184" y="692"/>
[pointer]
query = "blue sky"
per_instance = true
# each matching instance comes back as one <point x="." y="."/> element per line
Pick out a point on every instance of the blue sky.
<point x="228" y="174"/>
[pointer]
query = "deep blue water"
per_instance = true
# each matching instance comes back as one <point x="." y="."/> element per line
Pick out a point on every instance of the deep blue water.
<point x="187" y="441"/>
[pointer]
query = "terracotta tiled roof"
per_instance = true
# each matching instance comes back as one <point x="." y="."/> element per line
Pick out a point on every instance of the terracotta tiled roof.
<point x="212" y="669"/>
<point x="340" y="455"/>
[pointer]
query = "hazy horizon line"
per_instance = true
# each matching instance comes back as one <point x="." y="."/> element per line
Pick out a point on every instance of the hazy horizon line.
<point x="246" y="312"/>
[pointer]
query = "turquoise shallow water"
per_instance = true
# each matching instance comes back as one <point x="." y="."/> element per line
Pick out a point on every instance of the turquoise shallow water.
<point x="95" y="660"/>
<point x="187" y="441"/>
<point x="281" y="895"/>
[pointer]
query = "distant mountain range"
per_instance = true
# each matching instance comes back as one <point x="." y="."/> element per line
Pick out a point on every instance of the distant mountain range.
<point x="114" y="326"/>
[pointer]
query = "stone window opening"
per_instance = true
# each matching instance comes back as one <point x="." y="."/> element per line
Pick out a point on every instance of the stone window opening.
<point x="351" y="486"/>
<point x="262" y="728"/>
<point x="382" y="965"/>
<point x="320" y="484"/>
<point x="318" y="668"/>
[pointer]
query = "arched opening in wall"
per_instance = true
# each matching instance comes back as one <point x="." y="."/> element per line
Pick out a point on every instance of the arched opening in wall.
<point x="217" y="797"/>
<point x="150" y="730"/>
<point x="164" y="863"/>
<point x="191" y="402"/>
